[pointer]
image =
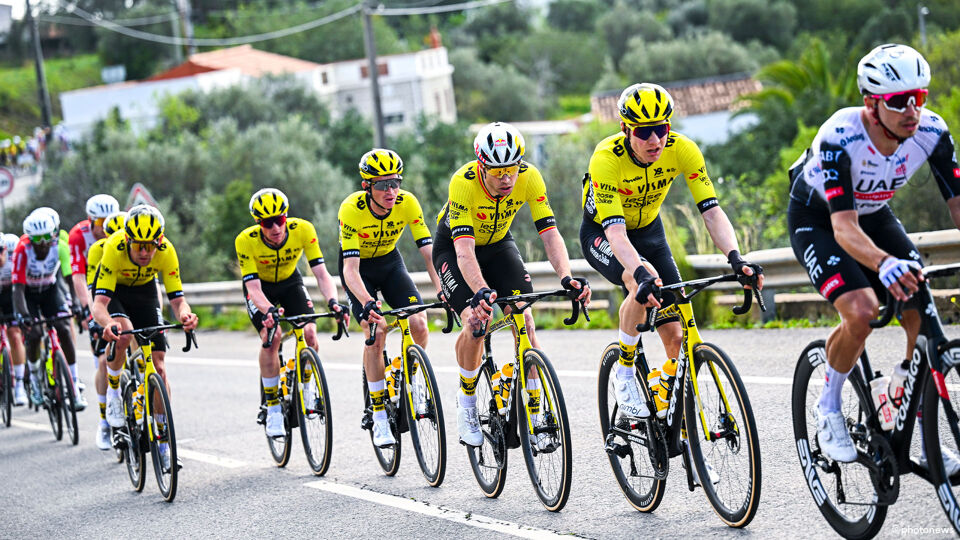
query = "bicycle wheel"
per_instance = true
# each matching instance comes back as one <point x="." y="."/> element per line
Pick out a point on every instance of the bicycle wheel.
<point x="65" y="383"/>
<point x="117" y="450"/>
<point x="844" y="492"/>
<point x="316" y="424"/>
<point x="280" y="447"/>
<point x="733" y="449"/>
<point x="164" y="437"/>
<point x="6" y="388"/>
<point x="132" y="445"/>
<point x="51" y="401"/>
<point x="489" y="460"/>
<point x="426" y="424"/>
<point x="637" y="451"/>
<point x="545" y="436"/>
<point x="388" y="456"/>
<point x="941" y="431"/>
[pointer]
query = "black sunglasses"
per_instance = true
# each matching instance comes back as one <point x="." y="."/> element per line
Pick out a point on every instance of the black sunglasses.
<point x="644" y="132"/>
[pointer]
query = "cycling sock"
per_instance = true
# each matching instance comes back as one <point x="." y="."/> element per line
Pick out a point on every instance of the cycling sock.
<point x="628" y="349"/>
<point x="378" y="391"/>
<point x="271" y="390"/>
<point x="468" y="387"/>
<point x="533" y="399"/>
<point x="18" y="373"/>
<point x="832" y="388"/>
<point x="113" y="379"/>
<point x="102" y="403"/>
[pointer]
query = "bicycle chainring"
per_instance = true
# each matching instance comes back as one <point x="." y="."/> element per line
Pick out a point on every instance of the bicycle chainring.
<point x="880" y="460"/>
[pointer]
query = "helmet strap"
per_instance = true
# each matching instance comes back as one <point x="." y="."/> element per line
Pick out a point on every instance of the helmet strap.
<point x="627" y="131"/>
<point x="875" y="112"/>
<point x="371" y="201"/>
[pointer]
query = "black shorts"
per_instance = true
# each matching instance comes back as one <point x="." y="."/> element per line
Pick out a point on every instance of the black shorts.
<point x="6" y="303"/>
<point x="386" y="274"/>
<point x="290" y="294"/>
<point x="650" y="243"/>
<point x="47" y="302"/>
<point x="500" y="264"/>
<point x="141" y="305"/>
<point x="831" y="270"/>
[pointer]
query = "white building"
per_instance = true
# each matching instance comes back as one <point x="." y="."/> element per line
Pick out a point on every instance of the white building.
<point x="411" y="84"/>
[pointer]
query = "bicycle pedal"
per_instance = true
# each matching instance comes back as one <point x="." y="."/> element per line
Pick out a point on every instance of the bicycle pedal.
<point x="366" y="422"/>
<point x="262" y="417"/>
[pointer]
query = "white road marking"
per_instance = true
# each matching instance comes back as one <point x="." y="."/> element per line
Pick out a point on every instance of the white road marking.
<point x="441" y="512"/>
<point x="30" y="425"/>
<point x="224" y="462"/>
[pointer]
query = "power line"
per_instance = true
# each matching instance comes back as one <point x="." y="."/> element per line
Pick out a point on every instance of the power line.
<point x="392" y="12"/>
<point x="141" y="21"/>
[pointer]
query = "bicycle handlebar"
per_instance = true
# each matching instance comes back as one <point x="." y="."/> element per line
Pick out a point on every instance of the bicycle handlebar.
<point x="148" y="332"/>
<point x="668" y="293"/>
<point x="405" y="312"/>
<point x="576" y="306"/>
<point x="299" y="321"/>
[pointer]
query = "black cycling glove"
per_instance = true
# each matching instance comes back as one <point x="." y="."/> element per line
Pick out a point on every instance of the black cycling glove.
<point x="482" y="294"/>
<point x="647" y="284"/>
<point x="367" y="308"/>
<point x="738" y="263"/>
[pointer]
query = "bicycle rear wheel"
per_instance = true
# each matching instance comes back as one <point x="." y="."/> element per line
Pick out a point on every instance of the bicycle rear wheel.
<point x="389" y="456"/>
<point x="52" y="402"/>
<point x="637" y="451"/>
<point x="65" y="382"/>
<point x="118" y="451"/>
<point x="164" y="438"/>
<point x="280" y="447"/>
<point x="426" y="424"/>
<point x="6" y="387"/>
<point x="941" y="431"/>
<point x="132" y="445"/>
<point x="489" y="460"/>
<point x="856" y="515"/>
<point x="316" y="425"/>
<point x="545" y="435"/>
<point x="733" y="449"/>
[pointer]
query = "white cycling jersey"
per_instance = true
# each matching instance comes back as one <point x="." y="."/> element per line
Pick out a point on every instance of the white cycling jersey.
<point x="843" y="171"/>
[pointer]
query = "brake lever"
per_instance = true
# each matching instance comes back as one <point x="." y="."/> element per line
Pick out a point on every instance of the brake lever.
<point x="191" y="341"/>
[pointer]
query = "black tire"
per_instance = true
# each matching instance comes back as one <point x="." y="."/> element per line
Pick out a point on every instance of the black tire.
<point x="6" y="387"/>
<point x="161" y="424"/>
<point x="489" y="460"/>
<point x="550" y="471"/>
<point x="940" y="431"/>
<point x="427" y="429"/>
<point x="316" y="424"/>
<point x="862" y="519"/>
<point x="389" y="456"/>
<point x="67" y="404"/>
<point x="133" y="450"/>
<point x="635" y="470"/>
<point x="124" y="380"/>
<point x="736" y="497"/>
<point x="280" y="447"/>
<point x="52" y="402"/>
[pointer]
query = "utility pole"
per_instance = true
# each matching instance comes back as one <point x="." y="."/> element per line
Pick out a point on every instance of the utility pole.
<point x="379" y="140"/>
<point x="183" y="8"/>
<point x="177" y="49"/>
<point x="921" y="12"/>
<point x="42" y="92"/>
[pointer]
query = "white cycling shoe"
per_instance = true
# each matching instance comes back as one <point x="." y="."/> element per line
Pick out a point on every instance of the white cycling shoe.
<point x="19" y="395"/>
<point x="103" y="436"/>
<point x="834" y="439"/>
<point x="951" y="463"/>
<point x="468" y="424"/>
<point x="382" y="434"/>
<point x="274" y="425"/>
<point x="629" y="401"/>
<point x="115" y="412"/>
<point x="419" y="397"/>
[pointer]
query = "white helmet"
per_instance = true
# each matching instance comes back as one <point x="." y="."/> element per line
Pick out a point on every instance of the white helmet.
<point x="39" y="223"/>
<point x="498" y="145"/>
<point x="102" y="205"/>
<point x="892" y="68"/>
<point x="50" y="212"/>
<point x="10" y="242"/>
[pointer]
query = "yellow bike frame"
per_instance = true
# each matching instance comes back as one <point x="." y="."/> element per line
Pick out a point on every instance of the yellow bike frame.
<point x="297" y="334"/>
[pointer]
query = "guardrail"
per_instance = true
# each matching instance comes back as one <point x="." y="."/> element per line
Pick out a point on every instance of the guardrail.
<point x="781" y="269"/>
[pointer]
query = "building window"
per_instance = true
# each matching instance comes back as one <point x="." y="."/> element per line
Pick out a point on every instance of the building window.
<point x="395" y="118"/>
<point x="382" y="70"/>
<point x="323" y="77"/>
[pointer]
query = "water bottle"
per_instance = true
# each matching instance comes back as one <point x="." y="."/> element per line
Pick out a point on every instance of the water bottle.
<point x="286" y="378"/>
<point x="878" y="389"/>
<point x="506" y="378"/>
<point x="392" y="375"/>
<point x="653" y="381"/>
<point x="138" y="404"/>
<point x="897" y="381"/>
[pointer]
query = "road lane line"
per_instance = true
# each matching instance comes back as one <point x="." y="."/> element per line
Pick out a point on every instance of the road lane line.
<point x="30" y="425"/>
<point x="441" y="512"/>
<point x="227" y="463"/>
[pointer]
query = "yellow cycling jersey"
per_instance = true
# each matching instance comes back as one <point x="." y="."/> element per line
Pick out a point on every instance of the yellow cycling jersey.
<point x="621" y="189"/>
<point x="474" y="213"/>
<point x="364" y="234"/>
<point x="116" y="268"/>
<point x="276" y="263"/>
<point x="94" y="254"/>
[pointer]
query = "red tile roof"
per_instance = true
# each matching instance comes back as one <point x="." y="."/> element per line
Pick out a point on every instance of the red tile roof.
<point x="250" y="61"/>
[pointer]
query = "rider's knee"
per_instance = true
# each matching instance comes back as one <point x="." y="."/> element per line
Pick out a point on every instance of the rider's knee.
<point x="856" y="319"/>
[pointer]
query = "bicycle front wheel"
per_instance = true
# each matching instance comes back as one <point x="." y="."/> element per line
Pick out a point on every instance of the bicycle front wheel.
<point x="279" y="446"/>
<point x="722" y="435"/>
<point x="636" y="450"/>
<point x="6" y="387"/>
<point x="857" y="515"/>
<point x="67" y="405"/>
<point x="545" y="431"/>
<point x="52" y="402"/>
<point x="316" y="424"/>
<point x="489" y="460"/>
<point x="941" y="432"/>
<point x="132" y="445"/>
<point x="388" y="456"/>
<point x="163" y="439"/>
<point x="425" y="415"/>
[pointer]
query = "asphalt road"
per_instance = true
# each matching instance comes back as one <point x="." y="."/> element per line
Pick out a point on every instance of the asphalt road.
<point x="230" y="488"/>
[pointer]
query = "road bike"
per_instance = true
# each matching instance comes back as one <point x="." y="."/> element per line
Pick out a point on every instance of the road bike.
<point x="414" y="398"/>
<point x="57" y="385"/>
<point x="854" y="497"/>
<point x="304" y="399"/>
<point x="541" y="418"/>
<point x="709" y="419"/>
<point x="149" y="416"/>
<point x="7" y="382"/>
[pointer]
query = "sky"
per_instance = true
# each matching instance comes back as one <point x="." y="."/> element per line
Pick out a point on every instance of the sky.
<point x="19" y="6"/>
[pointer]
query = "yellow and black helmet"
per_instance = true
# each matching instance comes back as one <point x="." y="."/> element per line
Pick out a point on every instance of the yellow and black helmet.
<point x="380" y="162"/>
<point x="144" y="223"/>
<point x="267" y="203"/>
<point x="645" y="103"/>
<point x="114" y="222"/>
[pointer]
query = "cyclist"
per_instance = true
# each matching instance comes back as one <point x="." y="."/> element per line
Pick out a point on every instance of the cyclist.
<point x="37" y="292"/>
<point x="63" y="249"/>
<point x="371" y="222"/>
<point x="125" y="296"/>
<point x="268" y="253"/>
<point x="14" y="336"/>
<point x="475" y="254"/>
<point x="112" y="224"/>
<point x="621" y="234"/>
<point x="844" y="233"/>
